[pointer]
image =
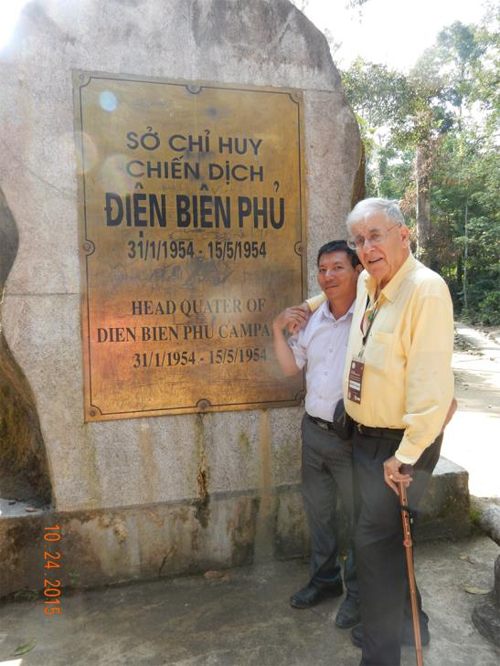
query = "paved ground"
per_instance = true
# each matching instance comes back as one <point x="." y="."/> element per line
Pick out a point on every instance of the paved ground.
<point x="244" y="621"/>
<point x="472" y="439"/>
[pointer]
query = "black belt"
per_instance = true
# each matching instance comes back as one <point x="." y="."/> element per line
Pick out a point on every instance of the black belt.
<point x="326" y="425"/>
<point x="382" y="433"/>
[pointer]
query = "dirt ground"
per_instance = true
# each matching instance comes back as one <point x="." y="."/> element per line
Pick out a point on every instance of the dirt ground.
<point x="472" y="439"/>
<point x="245" y="619"/>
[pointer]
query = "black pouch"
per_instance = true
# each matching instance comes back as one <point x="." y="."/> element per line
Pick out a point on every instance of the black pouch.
<point x="343" y="425"/>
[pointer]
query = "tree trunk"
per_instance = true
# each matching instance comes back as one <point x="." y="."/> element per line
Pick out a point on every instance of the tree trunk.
<point x="466" y="254"/>
<point x="423" y="204"/>
<point x="459" y="272"/>
<point x="358" y="190"/>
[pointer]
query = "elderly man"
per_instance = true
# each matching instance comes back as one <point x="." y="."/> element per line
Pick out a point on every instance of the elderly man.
<point x="326" y="458"/>
<point x="398" y="388"/>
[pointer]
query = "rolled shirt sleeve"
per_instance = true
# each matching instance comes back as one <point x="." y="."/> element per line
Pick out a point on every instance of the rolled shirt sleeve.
<point x="316" y="301"/>
<point x="299" y="349"/>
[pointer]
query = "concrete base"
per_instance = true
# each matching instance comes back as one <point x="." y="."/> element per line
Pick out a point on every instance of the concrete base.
<point x="141" y="543"/>
<point x="244" y="619"/>
<point x="444" y="512"/>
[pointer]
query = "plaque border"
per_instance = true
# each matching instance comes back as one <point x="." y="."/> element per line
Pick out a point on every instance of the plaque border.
<point x="81" y="79"/>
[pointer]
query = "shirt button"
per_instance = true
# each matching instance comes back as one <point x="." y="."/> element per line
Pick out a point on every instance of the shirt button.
<point x="330" y="350"/>
<point x="335" y="325"/>
<point x="325" y="373"/>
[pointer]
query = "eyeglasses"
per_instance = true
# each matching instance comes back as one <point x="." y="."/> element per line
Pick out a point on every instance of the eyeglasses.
<point x="374" y="238"/>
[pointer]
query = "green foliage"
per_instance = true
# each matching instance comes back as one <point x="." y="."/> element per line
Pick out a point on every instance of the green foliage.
<point x="378" y="94"/>
<point x="475" y="516"/>
<point x="489" y="309"/>
<point x="447" y="111"/>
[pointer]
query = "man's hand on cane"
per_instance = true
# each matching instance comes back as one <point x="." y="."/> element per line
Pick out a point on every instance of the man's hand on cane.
<point x="397" y="472"/>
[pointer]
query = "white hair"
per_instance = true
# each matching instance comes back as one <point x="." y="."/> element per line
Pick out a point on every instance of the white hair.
<point x="375" y="206"/>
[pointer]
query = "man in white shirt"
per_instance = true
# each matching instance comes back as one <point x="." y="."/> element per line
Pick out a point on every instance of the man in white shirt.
<point x="326" y="459"/>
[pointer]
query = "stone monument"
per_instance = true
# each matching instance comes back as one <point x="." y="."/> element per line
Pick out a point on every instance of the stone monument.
<point x="139" y="456"/>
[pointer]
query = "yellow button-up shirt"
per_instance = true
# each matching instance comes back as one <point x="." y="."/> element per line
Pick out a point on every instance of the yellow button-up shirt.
<point x="407" y="379"/>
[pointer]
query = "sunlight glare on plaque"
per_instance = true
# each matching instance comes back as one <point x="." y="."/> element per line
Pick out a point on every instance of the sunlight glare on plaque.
<point x="108" y="101"/>
<point x="114" y="177"/>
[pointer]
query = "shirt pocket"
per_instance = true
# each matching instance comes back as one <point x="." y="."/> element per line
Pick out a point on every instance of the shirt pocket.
<point x="379" y="349"/>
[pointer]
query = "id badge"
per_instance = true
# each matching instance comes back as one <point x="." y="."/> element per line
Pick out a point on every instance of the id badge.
<point x="355" y="380"/>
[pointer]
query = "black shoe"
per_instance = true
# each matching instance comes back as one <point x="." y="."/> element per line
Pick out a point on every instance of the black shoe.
<point x="348" y="614"/>
<point x="407" y="637"/>
<point x="357" y="636"/>
<point x="310" y="595"/>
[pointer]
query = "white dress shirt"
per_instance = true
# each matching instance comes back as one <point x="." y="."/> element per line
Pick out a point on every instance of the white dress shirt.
<point x="322" y="345"/>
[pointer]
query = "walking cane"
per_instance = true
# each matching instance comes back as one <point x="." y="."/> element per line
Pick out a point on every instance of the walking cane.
<point x="408" y="544"/>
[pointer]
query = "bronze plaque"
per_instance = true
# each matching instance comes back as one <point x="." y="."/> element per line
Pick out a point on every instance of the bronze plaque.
<point x="192" y="213"/>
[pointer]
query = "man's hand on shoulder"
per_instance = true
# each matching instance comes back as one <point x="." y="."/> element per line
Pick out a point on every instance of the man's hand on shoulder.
<point x="293" y="318"/>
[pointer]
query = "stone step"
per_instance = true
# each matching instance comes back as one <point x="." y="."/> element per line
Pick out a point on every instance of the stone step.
<point x="103" y="546"/>
<point x="443" y="514"/>
<point x="445" y="509"/>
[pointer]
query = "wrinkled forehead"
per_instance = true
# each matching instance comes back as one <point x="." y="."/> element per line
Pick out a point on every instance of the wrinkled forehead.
<point x="376" y="222"/>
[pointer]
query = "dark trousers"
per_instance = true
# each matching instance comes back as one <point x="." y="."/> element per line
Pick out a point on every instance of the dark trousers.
<point x="326" y="474"/>
<point x="378" y="541"/>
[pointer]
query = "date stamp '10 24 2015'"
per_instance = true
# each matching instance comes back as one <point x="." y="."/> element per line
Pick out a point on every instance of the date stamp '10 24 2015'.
<point x="51" y="584"/>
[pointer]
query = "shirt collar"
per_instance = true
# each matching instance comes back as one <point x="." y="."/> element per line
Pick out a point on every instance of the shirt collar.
<point x="391" y="288"/>
<point x="325" y="311"/>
